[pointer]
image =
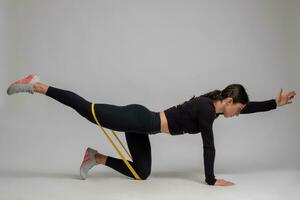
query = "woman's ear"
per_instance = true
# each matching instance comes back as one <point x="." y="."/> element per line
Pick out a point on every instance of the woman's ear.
<point x="228" y="101"/>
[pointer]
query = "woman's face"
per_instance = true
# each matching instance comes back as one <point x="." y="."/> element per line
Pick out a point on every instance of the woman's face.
<point x="232" y="109"/>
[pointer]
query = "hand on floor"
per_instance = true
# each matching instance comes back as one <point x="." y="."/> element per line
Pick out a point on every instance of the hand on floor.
<point x="222" y="182"/>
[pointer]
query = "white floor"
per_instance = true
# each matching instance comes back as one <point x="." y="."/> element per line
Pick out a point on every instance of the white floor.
<point x="101" y="184"/>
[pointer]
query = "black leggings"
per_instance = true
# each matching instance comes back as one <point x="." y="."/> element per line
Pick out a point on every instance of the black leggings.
<point x="135" y="120"/>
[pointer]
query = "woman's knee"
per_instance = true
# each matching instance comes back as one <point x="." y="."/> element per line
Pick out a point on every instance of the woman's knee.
<point x="145" y="175"/>
<point x="145" y="172"/>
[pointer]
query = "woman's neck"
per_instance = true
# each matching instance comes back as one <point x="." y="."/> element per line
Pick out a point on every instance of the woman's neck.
<point x="218" y="106"/>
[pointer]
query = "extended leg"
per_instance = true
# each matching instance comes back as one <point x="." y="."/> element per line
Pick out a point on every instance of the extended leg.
<point x="71" y="99"/>
<point x="132" y="118"/>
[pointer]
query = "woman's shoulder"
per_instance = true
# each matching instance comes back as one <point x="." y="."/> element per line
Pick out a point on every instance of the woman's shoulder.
<point x="205" y="107"/>
<point x="203" y="102"/>
<point x="197" y="105"/>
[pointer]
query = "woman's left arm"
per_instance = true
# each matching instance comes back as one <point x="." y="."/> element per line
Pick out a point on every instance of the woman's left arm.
<point x="261" y="106"/>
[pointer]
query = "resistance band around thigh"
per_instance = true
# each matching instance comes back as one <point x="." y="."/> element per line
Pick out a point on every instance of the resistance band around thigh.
<point x="113" y="144"/>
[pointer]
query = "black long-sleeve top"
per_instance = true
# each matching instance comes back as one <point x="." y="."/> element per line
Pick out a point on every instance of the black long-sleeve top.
<point x="197" y="115"/>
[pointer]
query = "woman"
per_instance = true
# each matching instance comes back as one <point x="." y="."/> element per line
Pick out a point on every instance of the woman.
<point x="192" y="116"/>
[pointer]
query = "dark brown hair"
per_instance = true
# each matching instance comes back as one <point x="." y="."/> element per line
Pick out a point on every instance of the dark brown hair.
<point x="236" y="91"/>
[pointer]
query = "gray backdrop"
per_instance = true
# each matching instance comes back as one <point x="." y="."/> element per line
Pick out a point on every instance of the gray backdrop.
<point x="154" y="53"/>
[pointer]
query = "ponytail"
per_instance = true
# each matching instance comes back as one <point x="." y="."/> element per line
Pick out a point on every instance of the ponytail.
<point x="214" y="95"/>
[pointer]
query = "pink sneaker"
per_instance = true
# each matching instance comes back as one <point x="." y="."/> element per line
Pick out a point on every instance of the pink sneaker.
<point x="23" y="85"/>
<point x="88" y="162"/>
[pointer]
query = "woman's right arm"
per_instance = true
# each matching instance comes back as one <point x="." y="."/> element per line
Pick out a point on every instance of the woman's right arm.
<point x="205" y="120"/>
<point x="209" y="157"/>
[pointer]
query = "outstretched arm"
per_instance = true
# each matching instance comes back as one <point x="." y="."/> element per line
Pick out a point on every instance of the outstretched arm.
<point x="261" y="106"/>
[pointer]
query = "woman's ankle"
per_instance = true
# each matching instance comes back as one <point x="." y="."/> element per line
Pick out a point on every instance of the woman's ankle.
<point x="100" y="158"/>
<point x="40" y="88"/>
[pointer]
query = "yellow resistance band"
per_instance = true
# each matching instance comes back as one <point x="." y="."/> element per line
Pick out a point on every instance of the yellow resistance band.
<point x="119" y="152"/>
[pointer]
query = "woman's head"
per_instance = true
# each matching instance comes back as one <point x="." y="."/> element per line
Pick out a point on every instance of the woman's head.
<point x="231" y="100"/>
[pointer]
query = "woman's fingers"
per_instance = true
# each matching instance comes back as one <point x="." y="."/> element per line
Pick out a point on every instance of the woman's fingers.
<point x="279" y="93"/>
<point x="222" y="182"/>
<point x="291" y="94"/>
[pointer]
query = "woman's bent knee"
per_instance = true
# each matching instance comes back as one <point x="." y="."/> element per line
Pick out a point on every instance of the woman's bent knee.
<point x="145" y="173"/>
<point x="144" y="176"/>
